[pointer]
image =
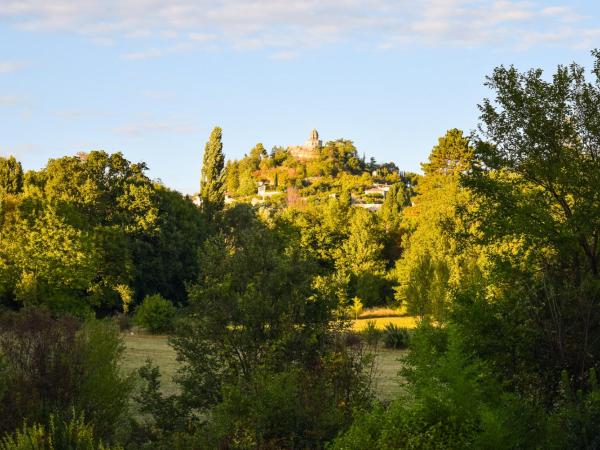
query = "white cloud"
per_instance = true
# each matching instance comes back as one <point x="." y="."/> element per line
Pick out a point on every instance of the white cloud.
<point x="78" y="114"/>
<point x="290" y="25"/>
<point x="284" y="56"/>
<point x="19" y="150"/>
<point x="153" y="126"/>
<point x="10" y="100"/>
<point x="144" y="54"/>
<point x="202" y="37"/>
<point x="158" y="95"/>
<point x="10" y="66"/>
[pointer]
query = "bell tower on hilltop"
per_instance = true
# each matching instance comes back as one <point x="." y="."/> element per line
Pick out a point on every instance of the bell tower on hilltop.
<point x="310" y="149"/>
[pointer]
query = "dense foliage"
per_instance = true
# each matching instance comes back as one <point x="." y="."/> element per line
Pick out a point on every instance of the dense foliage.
<point x="155" y="314"/>
<point x="60" y="367"/>
<point x="513" y="289"/>
<point x="93" y="233"/>
<point x="495" y="249"/>
<point x="260" y="355"/>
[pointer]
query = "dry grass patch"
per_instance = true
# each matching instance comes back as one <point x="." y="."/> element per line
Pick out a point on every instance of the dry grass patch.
<point x="372" y="313"/>
<point x="381" y="322"/>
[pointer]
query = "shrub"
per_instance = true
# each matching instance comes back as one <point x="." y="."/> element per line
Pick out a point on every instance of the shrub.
<point x="454" y="402"/>
<point x="371" y="333"/>
<point x="575" y="421"/>
<point x="352" y="339"/>
<point x="123" y="321"/>
<point x="41" y="366"/>
<point x="285" y="410"/>
<point x="104" y="390"/>
<point x="395" y="336"/>
<point x="74" y="434"/>
<point x="155" y="314"/>
<point x="50" y="366"/>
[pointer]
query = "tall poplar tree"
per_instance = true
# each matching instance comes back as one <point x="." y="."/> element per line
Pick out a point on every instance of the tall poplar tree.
<point x="211" y="182"/>
<point x="11" y="175"/>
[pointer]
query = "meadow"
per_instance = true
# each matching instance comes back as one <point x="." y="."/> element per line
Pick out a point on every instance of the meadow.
<point x="141" y="347"/>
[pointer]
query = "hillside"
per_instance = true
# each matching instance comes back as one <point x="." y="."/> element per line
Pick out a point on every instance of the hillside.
<point x="313" y="172"/>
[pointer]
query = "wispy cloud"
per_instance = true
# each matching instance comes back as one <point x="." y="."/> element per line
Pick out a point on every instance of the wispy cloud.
<point x="291" y="25"/>
<point x="284" y="56"/>
<point x="20" y="150"/>
<point x="144" y="54"/>
<point x="78" y="114"/>
<point x="153" y="126"/>
<point x="158" y="95"/>
<point x="10" y="66"/>
<point x="10" y="100"/>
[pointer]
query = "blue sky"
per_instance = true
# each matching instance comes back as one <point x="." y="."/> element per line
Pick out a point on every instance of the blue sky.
<point x="150" y="78"/>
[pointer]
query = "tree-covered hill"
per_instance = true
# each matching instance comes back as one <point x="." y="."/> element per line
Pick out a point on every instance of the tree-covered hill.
<point x="336" y="168"/>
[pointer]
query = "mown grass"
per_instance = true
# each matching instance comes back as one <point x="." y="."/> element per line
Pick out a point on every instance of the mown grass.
<point x="141" y="347"/>
<point x="387" y="380"/>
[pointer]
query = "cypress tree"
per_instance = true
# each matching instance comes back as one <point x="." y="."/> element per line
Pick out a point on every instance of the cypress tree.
<point x="211" y="182"/>
<point x="393" y="204"/>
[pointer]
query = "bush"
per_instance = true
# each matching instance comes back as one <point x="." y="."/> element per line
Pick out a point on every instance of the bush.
<point x="104" y="391"/>
<point x="453" y="402"/>
<point x="50" y="366"/>
<point x="395" y="336"/>
<point x="123" y="321"/>
<point x="41" y="366"/>
<point x="155" y="314"/>
<point x="285" y="410"/>
<point x="74" y="434"/>
<point x="352" y="339"/>
<point x="371" y="333"/>
<point x="575" y="421"/>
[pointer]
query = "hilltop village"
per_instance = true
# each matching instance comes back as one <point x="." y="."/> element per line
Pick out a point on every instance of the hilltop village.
<point x="310" y="173"/>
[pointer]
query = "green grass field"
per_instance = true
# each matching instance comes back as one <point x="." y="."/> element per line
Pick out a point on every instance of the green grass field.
<point x="140" y="347"/>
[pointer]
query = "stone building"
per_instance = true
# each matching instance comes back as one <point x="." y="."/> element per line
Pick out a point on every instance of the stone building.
<point x="311" y="148"/>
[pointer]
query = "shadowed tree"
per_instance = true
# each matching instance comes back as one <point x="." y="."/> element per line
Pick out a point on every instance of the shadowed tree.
<point x="536" y="187"/>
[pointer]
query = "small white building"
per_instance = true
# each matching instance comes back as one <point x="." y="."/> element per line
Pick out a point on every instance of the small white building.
<point x="378" y="189"/>
<point x="370" y="206"/>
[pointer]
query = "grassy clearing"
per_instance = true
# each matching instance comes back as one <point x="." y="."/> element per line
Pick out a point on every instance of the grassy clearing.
<point x="387" y="365"/>
<point x="141" y="347"/>
<point x="371" y="313"/>
<point x="381" y="322"/>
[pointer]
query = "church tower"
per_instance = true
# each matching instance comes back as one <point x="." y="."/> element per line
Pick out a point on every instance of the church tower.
<point x="310" y="149"/>
<point x="313" y="142"/>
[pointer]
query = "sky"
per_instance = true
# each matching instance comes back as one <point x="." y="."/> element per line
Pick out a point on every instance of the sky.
<point x="151" y="78"/>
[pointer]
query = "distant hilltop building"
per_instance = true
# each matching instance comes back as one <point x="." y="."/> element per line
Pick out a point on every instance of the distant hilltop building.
<point x="311" y="148"/>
